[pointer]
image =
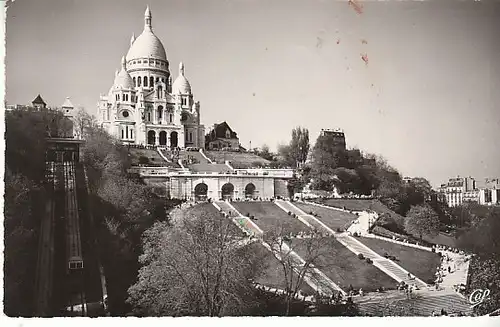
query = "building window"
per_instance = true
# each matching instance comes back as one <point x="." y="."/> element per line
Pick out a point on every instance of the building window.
<point x="171" y="117"/>
<point x="151" y="80"/>
<point x="135" y="84"/>
<point x="145" y="81"/>
<point x="122" y="132"/>
<point x="149" y="116"/>
<point x="183" y="101"/>
<point x="139" y="81"/>
<point x="125" y="114"/>
<point x="157" y="79"/>
<point x="131" y="133"/>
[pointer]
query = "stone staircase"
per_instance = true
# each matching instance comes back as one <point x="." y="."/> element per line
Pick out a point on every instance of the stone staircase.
<point x="307" y="219"/>
<point x="387" y="266"/>
<point x="452" y="303"/>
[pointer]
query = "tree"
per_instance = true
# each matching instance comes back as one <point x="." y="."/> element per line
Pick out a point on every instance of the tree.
<point x="196" y="267"/>
<point x="422" y="220"/>
<point x="294" y="185"/>
<point x="326" y="156"/>
<point x="266" y="153"/>
<point x="312" y="250"/>
<point x="299" y="146"/>
<point x="83" y="122"/>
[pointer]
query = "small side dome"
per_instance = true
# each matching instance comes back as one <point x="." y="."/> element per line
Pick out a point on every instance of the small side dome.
<point x="181" y="84"/>
<point x="123" y="79"/>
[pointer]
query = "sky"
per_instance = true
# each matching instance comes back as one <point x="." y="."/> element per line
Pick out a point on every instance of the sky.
<point x="428" y="98"/>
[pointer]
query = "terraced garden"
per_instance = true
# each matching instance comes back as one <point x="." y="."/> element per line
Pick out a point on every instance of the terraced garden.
<point x="341" y="265"/>
<point x="420" y="263"/>
<point x="270" y="218"/>
<point x="330" y="217"/>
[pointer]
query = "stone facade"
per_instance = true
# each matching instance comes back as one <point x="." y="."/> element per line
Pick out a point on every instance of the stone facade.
<point x="221" y="186"/>
<point x="143" y="106"/>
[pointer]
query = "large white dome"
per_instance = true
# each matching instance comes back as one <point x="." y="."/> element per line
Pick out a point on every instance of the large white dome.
<point x="147" y="45"/>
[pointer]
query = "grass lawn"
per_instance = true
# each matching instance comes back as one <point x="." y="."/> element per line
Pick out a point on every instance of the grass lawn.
<point x="273" y="275"/>
<point x="341" y="265"/>
<point x="269" y="217"/>
<point x="330" y="217"/>
<point x="421" y="263"/>
<point x="359" y="205"/>
<point x="207" y="209"/>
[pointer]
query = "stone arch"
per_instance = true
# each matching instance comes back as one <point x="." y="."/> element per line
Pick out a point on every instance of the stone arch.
<point x="163" y="138"/>
<point x="200" y="192"/>
<point x="250" y="191"/>
<point x="174" y="139"/>
<point x="151" y="137"/>
<point x="227" y="191"/>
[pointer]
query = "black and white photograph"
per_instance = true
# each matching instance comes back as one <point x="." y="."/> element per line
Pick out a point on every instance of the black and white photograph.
<point x="251" y="158"/>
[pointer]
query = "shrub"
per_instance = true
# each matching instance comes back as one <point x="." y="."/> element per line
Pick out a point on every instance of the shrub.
<point x="368" y="260"/>
<point x="143" y="160"/>
<point x="361" y="256"/>
<point x="289" y="213"/>
<point x="433" y="250"/>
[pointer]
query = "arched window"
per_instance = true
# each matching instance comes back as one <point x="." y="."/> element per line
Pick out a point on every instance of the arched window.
<point x="122" y="131"/>
<point x="149" y="116"/>
<point x="157" y="79"/>
<point x="160" y="110"/>
<point x="151" y="81"/>
<point x="134" y="82"/>
<point x="139" y="81"/>
<point x="171" y="117"/>
<point x="131" y="133"/>
<point x="145" y="81"/>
